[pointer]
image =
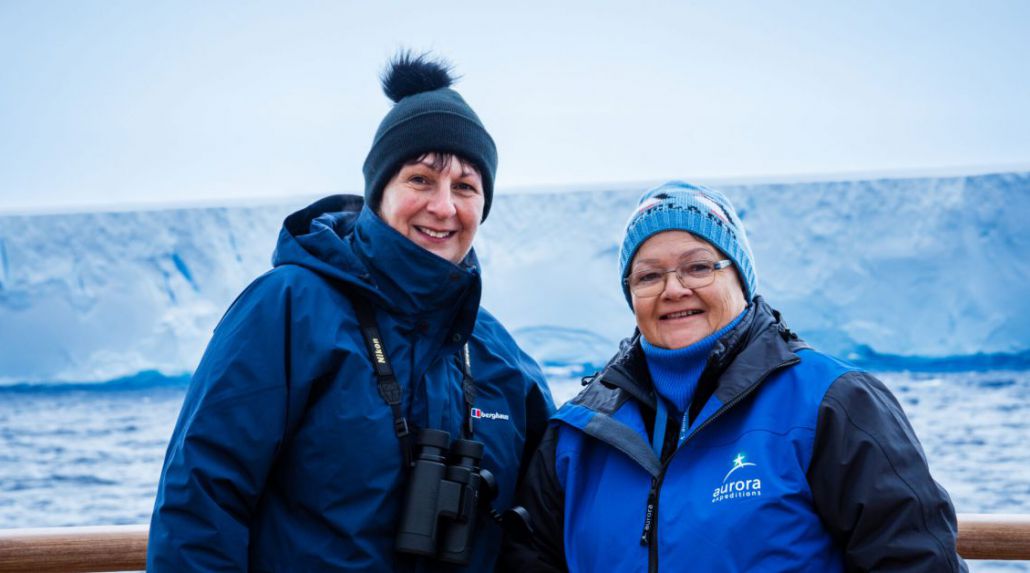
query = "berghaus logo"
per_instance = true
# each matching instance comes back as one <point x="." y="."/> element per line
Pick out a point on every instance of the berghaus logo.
<point x="742" y="486"/>
<point x="481" y="415"/>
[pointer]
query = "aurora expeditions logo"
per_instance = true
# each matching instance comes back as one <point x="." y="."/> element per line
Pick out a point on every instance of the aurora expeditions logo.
<point x="740" y="487"/>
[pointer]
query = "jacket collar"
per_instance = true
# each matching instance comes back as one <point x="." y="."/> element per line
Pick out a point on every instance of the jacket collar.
<point x="413" y="280"/>
<point x="746" y="356"/>
<point x="344" y="241"/>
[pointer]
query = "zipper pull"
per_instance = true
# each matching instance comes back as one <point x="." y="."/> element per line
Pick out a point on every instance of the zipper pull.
<point x="652" y="505"/>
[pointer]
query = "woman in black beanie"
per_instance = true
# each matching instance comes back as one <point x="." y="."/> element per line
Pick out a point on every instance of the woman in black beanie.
<point x="362" y="350"/>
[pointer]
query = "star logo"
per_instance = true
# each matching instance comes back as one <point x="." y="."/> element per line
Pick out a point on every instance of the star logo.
<point x="738" y="463"/>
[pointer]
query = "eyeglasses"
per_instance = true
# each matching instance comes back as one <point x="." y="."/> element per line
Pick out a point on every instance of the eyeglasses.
<point x="691" y="274"/>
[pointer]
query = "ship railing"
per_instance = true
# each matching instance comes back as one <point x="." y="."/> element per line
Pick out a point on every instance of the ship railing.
<point x="124" y="547"/>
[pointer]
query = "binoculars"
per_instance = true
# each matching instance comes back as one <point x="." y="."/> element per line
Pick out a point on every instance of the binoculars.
<point x="443" y="500"/>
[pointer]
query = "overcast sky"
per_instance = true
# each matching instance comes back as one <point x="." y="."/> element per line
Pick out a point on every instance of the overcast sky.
<point x="113" y="102"/>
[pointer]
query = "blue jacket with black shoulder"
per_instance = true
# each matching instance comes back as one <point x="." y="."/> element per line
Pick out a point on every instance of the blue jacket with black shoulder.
<point x="788" y="460"/>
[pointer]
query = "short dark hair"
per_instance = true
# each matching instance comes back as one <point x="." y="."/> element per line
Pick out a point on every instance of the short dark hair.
<point x="442" y="161"/>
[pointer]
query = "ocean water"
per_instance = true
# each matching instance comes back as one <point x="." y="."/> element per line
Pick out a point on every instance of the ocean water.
<point x="92" y="454"/>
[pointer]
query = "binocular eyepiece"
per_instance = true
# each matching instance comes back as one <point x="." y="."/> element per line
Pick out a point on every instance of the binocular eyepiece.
<point x="443" y="500"/>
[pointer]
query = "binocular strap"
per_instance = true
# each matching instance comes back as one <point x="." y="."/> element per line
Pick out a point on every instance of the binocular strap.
<point x="390" y="390"/>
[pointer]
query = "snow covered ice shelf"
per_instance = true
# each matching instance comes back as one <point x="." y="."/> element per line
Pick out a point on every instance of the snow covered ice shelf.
<point x="922" y="269"/>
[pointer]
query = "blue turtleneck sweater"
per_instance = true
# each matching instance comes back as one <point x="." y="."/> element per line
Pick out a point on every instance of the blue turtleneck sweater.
<point x="675" y="373"/>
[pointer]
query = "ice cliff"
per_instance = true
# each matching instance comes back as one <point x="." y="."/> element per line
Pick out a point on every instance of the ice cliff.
<point x="901" y="271"/>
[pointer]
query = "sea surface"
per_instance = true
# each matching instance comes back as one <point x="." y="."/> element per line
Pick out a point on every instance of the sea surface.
<point x="92" y="454"/>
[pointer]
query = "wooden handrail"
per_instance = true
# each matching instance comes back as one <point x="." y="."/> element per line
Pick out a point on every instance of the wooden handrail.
<point x="74" y="549"/>
<point x="994" y="536"/>
<point x="124" y="547"/>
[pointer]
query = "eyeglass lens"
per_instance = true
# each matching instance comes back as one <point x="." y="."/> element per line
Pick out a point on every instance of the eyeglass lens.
<point x="692" y="274"/>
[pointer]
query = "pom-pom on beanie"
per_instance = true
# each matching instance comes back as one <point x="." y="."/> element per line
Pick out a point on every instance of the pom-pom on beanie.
<point x="427" y="116"/>
<point x="702" y="212"/>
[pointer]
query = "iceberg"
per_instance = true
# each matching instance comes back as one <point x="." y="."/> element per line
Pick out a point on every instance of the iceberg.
<point x="907" y="272"/>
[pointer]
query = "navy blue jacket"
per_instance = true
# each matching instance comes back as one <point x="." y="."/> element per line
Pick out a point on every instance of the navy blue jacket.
<point x="284" y="456"/>
<point x="788" y="460"/>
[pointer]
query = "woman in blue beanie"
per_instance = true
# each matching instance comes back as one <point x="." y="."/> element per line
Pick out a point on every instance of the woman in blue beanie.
<point x="362" y="350"/>
<point x="716" y="440"/>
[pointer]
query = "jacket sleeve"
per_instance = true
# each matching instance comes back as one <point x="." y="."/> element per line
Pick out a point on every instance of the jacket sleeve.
<point x="872" y="487"/>
<point x="226" y="438"/>
<point x="542" y="549"/>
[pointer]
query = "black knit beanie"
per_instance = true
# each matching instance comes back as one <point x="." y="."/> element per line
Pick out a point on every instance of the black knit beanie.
<point x="427" y="116"/>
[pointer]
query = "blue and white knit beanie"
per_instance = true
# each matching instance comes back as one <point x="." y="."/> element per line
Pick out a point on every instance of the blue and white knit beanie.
<point x="702" y="212"/>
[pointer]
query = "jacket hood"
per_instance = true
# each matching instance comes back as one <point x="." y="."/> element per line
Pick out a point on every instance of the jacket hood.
<point x="344" y="241"/>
